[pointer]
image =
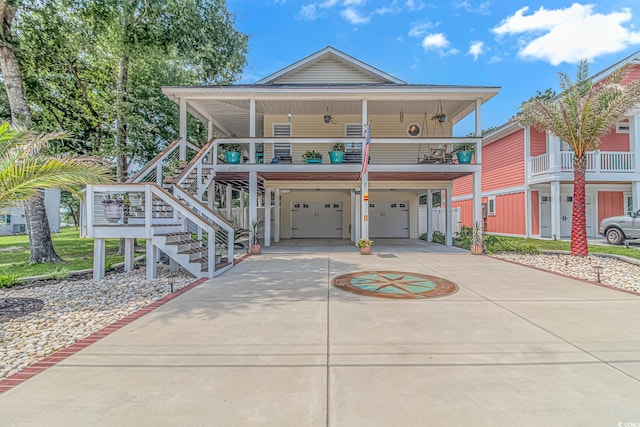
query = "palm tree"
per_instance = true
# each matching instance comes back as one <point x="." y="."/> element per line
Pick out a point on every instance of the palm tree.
<point x="25" y="170"/>
<point x="581" y="116"/>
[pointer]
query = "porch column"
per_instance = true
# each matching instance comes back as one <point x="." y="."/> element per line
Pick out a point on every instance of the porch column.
<point x="553" y="148"/>
<point x="364" y="228"/>
<point x="151" y="260"/>
<point x="209" y="128"/>
<point x="429" y="215"/>
<point x="252" y="130"/>
<point x="228" y="201"/>
<point x="352" y="218"/>
<point x="243" y="216"/>
<point x="478" y="118"/>
<point x="129" y="253"/>
<point x="357" y="215"/>
<point x="634" y="142"/>
<point x="183" y="129"/>
<point x="527" y="190"/>
<point x="276" y="213"/>
<point x="253" y="198"/>
<point x="98" y="259"/>
<point x="449" y="218"/>
<point x="555" y="210"/>
<point x="267" y="217"/>
<point x="635" y="195"/>
<point x="211" y="195"/>
<point x="477" y="198"/>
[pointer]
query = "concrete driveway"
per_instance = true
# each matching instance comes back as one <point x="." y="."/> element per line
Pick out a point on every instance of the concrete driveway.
<point x="271" y="343"/>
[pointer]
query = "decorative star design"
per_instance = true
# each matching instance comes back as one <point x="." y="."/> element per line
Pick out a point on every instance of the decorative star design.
<point x="395" y="284"/>
<point x="401" y="283"/>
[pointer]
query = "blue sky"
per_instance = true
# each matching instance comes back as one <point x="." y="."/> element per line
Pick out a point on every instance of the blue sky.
<point x="517" y="45"/>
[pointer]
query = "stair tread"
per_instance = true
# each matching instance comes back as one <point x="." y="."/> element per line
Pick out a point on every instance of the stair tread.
<point x="175" y="233"/>
<point x="192" y="250"/>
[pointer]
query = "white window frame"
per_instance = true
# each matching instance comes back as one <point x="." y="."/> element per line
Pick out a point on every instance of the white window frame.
<point x="491" y="206"/>
<point x="622" y="127"/>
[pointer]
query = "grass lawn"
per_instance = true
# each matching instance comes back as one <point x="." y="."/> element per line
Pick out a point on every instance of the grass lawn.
<point x="76" y="252"/>
<point x="556" y="245"/>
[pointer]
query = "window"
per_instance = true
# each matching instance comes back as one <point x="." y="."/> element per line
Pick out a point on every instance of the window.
<point x="630" y="204"/>
<point x="282" y="149"/>
<point x="353" y="150"/>
<point x="622" y="126"/>
<point x="491" y="205"/>
<point x="6" y="218"/>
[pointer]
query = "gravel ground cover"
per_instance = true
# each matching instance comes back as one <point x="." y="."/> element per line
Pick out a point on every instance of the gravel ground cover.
<point x="614" y="272"/>
<point x="72" y="310"/>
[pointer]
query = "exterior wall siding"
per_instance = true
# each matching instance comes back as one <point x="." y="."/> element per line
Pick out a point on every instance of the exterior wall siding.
<point x="610" y="203"/>
<point x="538" y="142"/>
<point x="462" y="186"/>
<point x="466" y="211"/>
<point x="503" y="162"/>
<point x="329" y="70"/>
<point x="615" y="142"/>
<point x="632" y="75"/>
<point x="510" y="215"/>
<point x="535" y="213"/>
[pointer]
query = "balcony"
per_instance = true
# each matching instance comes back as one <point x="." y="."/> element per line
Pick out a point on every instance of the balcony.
<point x="597" y="162"/>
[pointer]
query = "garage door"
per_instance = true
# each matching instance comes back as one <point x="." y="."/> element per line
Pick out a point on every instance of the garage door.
<point x="389" y="219"/>
<point x="316" y="219"/>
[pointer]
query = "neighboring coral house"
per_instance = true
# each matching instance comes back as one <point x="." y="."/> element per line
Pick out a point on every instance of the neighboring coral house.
<point x="527" y="176"/>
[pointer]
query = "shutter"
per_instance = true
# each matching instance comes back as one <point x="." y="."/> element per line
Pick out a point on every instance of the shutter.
<point x="282" y="130"/>
<point x="353" y="150"/>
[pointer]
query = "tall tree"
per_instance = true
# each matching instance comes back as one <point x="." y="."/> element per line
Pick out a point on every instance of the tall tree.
<point x="581" y="116"/>
<point x="38" y="224"/>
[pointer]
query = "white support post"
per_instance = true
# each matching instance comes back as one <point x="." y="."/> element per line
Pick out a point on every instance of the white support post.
<point x="183" y="129"/>
<point x="209" y="128"/>
<point x="553" y="148"/>
<point x="98" y="259"/>
<point x="243" y="216"/>
<point x="449" y="218"/>
<point x="276" y="225"/>
<point x="635" y="195"/>
<point x="159" y="176"/>
<point x="478" y="118"/>
<point x="357" y="215"/>
<point x="216" y="147"/>
<point x="252" y="130"/>
<point x="228" y="201"/>
<point x="429" y="215"/>
<point x="353" y="218"/>
<point x="267" y="217"/>
<point x="129" y="253"/>
<point x="211" y="194"/>
<point x="364" y="196"/>
<point x="555" y="210"/>
<point x="634" y="142"/>
<point x="90" y="210"/>
<point x="477" y="198"/>
<point x="253" y="198"/>
<point x="151" y="261"/>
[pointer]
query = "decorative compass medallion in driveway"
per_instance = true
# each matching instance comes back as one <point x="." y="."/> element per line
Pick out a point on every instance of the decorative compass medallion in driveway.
<point x="395" y="284"/>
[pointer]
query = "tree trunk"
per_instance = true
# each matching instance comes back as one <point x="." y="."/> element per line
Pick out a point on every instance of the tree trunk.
<point x="39" y="232"/>
<point x="37" y="221"/>
<point x="121" y="127"/>
<point x="579" y="245"/>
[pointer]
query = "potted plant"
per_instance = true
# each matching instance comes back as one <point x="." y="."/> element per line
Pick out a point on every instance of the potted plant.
<point x="476" y="239"/>
<point x="365" y="246"/>
<point x="255" y="247"/>
<point x="464" y="152"/>
<point x="113" y="207"/>
<point x="336" y="155"/>
<point x="232" y="153"/>
<point x="312" y="156"/>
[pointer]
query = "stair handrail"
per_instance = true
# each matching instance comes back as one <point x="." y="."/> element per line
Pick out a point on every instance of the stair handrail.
<point x="158" y="159"/>
<point x="195" y="162"/>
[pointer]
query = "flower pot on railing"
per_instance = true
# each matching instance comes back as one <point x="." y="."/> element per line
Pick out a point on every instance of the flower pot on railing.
<point x="336" y="157"/>
<point x="232" y="157"/>
<point x="113" y="211"/>
<point x="464" y="157"/>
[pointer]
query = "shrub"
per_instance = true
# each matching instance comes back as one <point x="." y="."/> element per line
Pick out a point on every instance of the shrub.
<point x="8" y="279"/>
<point x="437" y="237"/>
<point x="497" y="244"/>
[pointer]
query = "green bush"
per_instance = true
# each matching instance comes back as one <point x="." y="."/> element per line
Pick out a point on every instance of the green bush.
<point x="437" y="237"/>
<point x="495" y="244"/>
<point x="8" y="279"/>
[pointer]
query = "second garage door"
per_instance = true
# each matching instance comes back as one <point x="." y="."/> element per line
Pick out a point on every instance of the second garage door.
<point x="389" y="219"/>
<point x="316" y="220"/>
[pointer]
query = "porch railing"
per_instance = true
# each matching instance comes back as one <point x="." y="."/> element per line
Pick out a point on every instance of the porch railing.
<point x="597" y="161"/>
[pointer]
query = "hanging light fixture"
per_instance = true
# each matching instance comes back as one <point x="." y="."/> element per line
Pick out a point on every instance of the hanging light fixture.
<point x="401" y="116"/>
<point x="289" y="114"/>
<point x="327" y="117"/>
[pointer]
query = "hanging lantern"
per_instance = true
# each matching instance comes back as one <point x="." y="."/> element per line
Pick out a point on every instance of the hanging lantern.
<point x="401" y="116"/>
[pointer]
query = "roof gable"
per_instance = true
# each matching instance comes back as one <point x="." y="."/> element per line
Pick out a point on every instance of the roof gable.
<point x="631" y="59"/>
<point x="329" y="66"/>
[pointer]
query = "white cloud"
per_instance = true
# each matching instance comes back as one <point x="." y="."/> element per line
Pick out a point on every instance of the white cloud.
<point x="413" y="6"/>
<point x="476" y="48"/>
<point x="437" y="42"/>
<point x="354" y="17"/>
<point x="494" y="59"/>
<point x="392" y="9"/>
<point x="353" y="2"/>
<point x="307" y="12"/>
<point x="419" y="29"/>
<point x="482" y="8"/>
<point x="570" y="34"/>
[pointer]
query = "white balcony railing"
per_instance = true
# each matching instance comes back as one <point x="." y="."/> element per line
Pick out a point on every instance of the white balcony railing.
<point x="597" y="161"/>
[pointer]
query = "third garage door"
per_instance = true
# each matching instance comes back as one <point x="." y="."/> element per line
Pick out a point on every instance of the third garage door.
<point x="389" y="219"/>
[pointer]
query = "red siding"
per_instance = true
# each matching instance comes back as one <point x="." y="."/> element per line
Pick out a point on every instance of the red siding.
<point x="615" y="142"/>
<point x="503" y="162"/>
<point x="610" y="203"/>
<point x="466" y="211"/>
<point x="510" y="216"/>
<point x="462" y="186"/>
<point x="632" y="75"/>
<point x="538" y="144"/>
<point x="535" y="213"/>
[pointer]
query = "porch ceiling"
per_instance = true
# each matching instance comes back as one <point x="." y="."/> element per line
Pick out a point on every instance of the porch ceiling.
<point x="240" y="180"/>
<point x="229" y="105"/>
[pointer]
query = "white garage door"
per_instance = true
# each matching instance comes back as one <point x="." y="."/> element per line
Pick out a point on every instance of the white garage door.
<point x="389" y="219"/>
<point x="316" y="219"/>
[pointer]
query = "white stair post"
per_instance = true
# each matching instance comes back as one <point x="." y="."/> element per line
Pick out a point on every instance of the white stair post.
<point x="98" y="259"/>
